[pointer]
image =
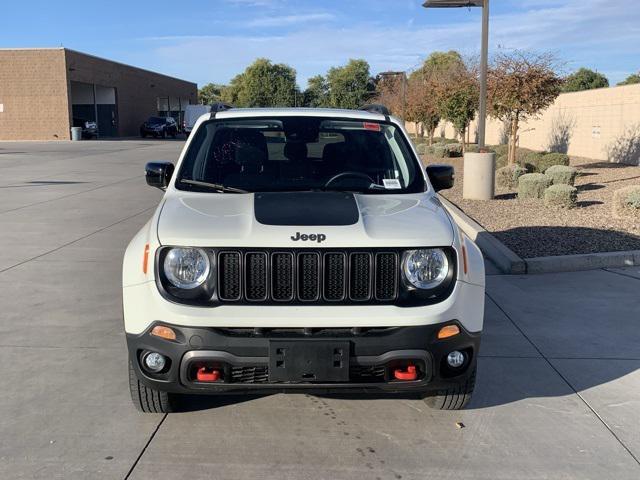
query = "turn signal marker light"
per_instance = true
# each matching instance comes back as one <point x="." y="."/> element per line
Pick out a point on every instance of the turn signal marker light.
<point x="448" y="331"/>
<point x="163" y="332"/>
<point x="145" y="259"/>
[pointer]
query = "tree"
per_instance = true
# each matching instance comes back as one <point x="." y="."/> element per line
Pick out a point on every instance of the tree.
<point x="422" y="105"/>
<point x="391" y="91"/>
<point x="631" y="79"/>
<point x="350" y="86"/>
<point x="458" y="101"/>
<point x="444" y="87"/>
<point x="439" y="65"/>
<point x="584" y="79"/>
<point x="317" y="92"/>
<point x="211" y="93"/>
<point x="264" y="84"/>
<point x="520" y="86"/>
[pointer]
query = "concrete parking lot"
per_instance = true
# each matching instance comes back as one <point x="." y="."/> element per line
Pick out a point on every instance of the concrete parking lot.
<point x="558" y="392"/>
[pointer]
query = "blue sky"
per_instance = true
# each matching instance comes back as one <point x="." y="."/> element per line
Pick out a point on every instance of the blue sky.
<point x="212" y="40"/>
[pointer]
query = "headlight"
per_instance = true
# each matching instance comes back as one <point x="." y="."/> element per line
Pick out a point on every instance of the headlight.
<point x="186" y="268"/>
<point x="426" y="268"/>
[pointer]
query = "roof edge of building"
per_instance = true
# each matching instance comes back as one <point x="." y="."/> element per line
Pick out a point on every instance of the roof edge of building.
<point x="99" y="58"/>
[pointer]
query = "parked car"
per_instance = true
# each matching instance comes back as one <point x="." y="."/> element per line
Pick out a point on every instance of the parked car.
<point x="159" y="127"/>
<point x="89" y="127"/>
<point x="322" y="263"/>
<point x="191" y="115"/>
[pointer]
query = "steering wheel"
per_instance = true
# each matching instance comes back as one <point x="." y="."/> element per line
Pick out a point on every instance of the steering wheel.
<point x="361" y="175"/>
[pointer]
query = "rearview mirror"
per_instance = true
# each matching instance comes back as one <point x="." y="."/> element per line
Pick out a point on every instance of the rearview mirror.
<point x="158" y="174"/>
<point x="441" y="176"/>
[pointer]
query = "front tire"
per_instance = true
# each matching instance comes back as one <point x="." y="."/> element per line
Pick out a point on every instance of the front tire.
<point x="455" y="398"/>
<point x="149" y="400"/>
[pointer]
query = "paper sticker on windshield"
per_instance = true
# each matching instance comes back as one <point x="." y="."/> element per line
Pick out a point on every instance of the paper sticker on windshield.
<point x="375" y="127"/>
<point x="391" y="183"/>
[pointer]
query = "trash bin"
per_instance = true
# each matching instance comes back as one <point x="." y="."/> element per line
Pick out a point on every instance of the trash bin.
<point x="76" y="134"/>
<point x="479" y="171"/>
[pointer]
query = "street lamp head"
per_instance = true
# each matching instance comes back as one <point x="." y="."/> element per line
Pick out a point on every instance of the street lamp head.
<point x="452" y="3"/>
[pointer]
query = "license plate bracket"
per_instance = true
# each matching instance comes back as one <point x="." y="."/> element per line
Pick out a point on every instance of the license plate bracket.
<point x="308" y="361"/>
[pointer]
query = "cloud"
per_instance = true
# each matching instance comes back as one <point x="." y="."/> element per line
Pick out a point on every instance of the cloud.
<point x="602" y="34"/>
<point x="288" y="20"/>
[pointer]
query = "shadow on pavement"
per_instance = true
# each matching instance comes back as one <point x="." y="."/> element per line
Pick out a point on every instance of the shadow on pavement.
<point x="195" y="403"/>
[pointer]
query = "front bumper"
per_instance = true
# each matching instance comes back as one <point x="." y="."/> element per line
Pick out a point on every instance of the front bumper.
<point x="243" y="357"/>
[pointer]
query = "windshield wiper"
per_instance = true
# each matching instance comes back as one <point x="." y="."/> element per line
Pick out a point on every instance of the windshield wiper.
<point x="214" y="186"/>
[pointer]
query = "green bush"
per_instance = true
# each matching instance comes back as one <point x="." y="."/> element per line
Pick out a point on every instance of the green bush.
<point x="439" y="151"/>
<point x="551" y="159"/>
<point x="453" y="150"/>
<point x="501" y="161"/>
<point x="447" y="141"/>
<point x="531" y="158"/>
<point x="626" y="202"/>
<point x="561" y="174"/>
<point x="422" y="148"/>
<point x="500" y="149"/>
<point x="472" y="148"/>
<point x="533" y="185"/>
<point x="561" y="195"/>
<point x="507" y="177"/>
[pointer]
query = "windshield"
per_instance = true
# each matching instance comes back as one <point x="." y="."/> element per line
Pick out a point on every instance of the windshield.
<point x="300" y="153"/>
<point x="156" y="120"/>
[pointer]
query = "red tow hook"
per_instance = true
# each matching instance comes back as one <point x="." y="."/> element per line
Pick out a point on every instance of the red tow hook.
<point x="208" y="375"/>
<point x="409" y="374"/>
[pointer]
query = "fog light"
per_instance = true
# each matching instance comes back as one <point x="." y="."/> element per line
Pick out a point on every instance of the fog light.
<point x="456" y="359"/>
<point x="154" y="361"/>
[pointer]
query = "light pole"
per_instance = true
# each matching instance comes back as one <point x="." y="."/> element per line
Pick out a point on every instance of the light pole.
<point x="484" y="54"/>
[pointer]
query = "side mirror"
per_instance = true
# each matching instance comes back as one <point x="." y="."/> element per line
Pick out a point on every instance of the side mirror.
<point x="158" y="174"/>
<point x="441" y="176"/>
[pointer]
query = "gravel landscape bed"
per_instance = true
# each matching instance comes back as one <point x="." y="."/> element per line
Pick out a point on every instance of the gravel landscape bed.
<point x="531" y="229"/>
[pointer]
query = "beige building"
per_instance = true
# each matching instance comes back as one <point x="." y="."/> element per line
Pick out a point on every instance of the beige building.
<point x="44" y="92"/>
<point x="583" y="124"/>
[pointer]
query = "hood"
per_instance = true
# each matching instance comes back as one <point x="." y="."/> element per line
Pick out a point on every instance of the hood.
<point x="303" y="220"/>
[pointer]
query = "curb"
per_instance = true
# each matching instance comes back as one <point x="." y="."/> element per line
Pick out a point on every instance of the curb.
<point x="587" y="261"/>
<point x="505" y="259"/>
<point x="508" y="262"/>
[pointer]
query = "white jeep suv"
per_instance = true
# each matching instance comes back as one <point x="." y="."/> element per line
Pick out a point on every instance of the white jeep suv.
<point x="301" y="250"/>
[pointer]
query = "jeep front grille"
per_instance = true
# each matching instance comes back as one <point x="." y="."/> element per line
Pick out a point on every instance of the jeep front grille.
<point x="307" y="276"/>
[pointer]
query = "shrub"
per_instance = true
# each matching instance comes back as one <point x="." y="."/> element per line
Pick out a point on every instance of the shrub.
<point x="561" y="195"/>
<point x="453" y="150"/>
<point x="533" y="185"/>
<point x="551" y="159"/>
<point x="501" y="161"/>
<point x="531" y="158"/>
<point x="422" y="148"/>
<point x="439" y="151"/>
<point x="472" y="149"/>
<point x="561" y="175"/>
<point x="500" y="149"/>
<point x="507" y="177"/>
<point x="626" y="202"/>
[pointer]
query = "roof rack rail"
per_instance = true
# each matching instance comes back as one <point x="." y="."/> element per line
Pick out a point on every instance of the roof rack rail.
<point x="220" y="107"/>
<point x="376" y="108"/>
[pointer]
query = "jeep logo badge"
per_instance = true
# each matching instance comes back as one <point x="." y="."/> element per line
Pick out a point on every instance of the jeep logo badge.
<point x="312" y="237"/>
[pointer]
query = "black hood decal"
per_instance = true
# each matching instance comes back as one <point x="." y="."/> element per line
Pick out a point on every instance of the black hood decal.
<point x="306" y="208"/>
